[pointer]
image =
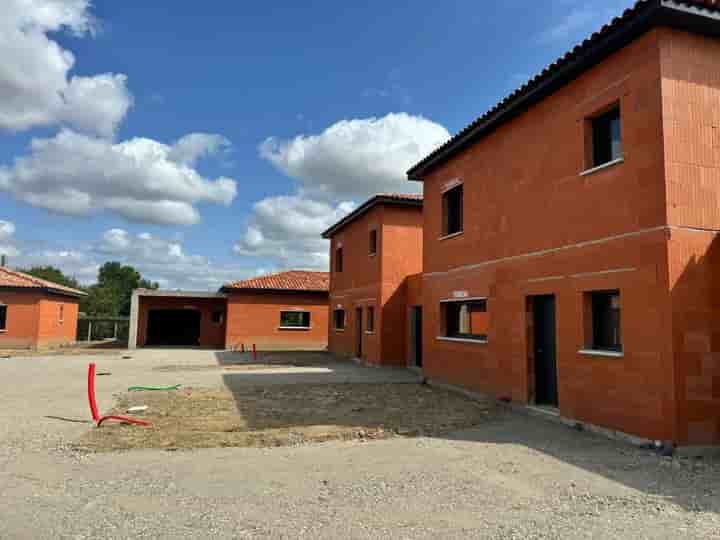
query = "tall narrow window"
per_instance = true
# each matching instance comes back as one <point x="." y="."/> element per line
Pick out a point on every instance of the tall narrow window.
<point x="605" y="312"/>
<point x="373" y="242"/>
<point x="339" y="319"/>
<point x="218" y="316"/>
<point x="467" y="320"/>
<point x="294" y="319"/>
<point x="339" y="260"/>
<point x="370" y="319"/>
<point x="61" y="315"/>
<point x="3" y="317"/>
<point x="453" y="211"/>
<point x="606" y="138"/>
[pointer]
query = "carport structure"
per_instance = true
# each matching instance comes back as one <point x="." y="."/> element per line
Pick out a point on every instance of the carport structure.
<point x="177" y="318"/>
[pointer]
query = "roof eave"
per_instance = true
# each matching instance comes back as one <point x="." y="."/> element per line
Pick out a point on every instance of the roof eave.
<point x="670" y="13"/>
<point x="366" y="207"/>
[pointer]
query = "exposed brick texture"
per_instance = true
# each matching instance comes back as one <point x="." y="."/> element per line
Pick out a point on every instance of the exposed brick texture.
<point x="33" y="319"/>
<point x="534" y="225"/>
<point x="375" y="280"/>
<point x="254" y="318"/>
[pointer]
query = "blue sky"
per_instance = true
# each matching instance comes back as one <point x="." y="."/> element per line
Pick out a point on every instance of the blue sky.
<point x="212" y="141"/>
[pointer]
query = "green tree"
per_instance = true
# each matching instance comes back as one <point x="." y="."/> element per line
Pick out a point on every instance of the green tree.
<point x="115" y="285"/>
<point x="50" y="273"/>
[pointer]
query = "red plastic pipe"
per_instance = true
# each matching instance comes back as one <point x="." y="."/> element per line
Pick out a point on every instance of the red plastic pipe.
<point x="93" y="404"/>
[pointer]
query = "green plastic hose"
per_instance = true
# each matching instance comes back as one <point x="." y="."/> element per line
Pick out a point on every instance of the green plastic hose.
<point x="136" y="388"/>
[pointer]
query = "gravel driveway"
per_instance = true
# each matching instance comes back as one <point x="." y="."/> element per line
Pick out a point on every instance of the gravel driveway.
<point x="514" y="477"/>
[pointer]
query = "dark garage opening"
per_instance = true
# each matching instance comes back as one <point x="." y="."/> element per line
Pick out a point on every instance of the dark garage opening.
<point x="176" y="327"/>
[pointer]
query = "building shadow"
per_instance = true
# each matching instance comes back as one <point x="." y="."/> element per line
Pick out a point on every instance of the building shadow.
<point x="297" y="398"/>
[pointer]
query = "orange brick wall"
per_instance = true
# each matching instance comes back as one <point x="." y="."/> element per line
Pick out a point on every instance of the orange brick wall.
<point x="211" y="334"/>
<point x="534" y="225"/>
<point x="53" y="331"/>
<point x="255" y="318"/>
<point x="33" y="320"/>
<point x="376" y="281"/>
<point x="691" y="116"/>
<point x="22" y="319"/>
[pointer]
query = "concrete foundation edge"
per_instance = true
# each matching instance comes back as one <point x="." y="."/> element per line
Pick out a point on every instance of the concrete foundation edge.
<point x="529" y="410"/>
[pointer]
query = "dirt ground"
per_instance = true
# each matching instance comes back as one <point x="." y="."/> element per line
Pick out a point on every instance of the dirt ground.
<point x="508" y="476"/>
<point x="110" y="347"/>
<point x="286" y="415"/>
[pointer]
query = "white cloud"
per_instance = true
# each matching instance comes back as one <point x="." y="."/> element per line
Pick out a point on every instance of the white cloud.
<point x="35" y="87"/>
<point x="357" y="158"/>
<point x="7" y="240"/>
<point x="287" y="231"/>
<point x="166" y="261"/>
<point x="140" y="179"/>
<point x="163" y="260"/>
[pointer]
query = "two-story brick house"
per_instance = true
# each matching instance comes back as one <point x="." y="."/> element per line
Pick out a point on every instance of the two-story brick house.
<point x="374" y="251"/>
<point x="571" y="252"/>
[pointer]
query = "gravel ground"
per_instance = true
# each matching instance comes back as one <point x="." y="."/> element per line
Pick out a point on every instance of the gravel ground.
<point x="513" y="477"/>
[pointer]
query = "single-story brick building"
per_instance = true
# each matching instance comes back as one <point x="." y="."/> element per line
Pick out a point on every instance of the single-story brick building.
<point x="285" y="311"/>
<point x="35" y="313"/>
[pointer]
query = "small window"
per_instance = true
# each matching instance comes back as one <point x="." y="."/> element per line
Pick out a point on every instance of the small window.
<point x="218" y="316"/>
<point x="453" y="211"/>
<point x="294" y="319"/>
<point x="61" y="314"/>
<point x="370" y="319"/>
<point x="606" y="138"/>
<point x="605" y="334"/>
<point x="339" y="260"/>
<point x="3" y="318"/>
<point x="339" y="319"/>
<point x="373" y="242"/>
<point x="467" y="320"/>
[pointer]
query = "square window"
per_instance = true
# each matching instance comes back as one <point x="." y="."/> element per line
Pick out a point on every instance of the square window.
<point x="467" y="320"/>
<point x="295" y="319"/>
<point x="339" y="319"/>
<point x="339" y="260"/>
<point x="373" y="242"/>
<point x="3" y="317"/>
<point x="604" y="333"/>
<point x="453" y="211"/>
<point x="606" y="138"/>
<point x="370" y="319"/>
<point x="217" y="317"/>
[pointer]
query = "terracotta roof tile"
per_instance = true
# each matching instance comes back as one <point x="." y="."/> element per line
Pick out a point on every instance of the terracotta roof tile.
<point x="292" y="280"/>
<point x="19" y="280"/>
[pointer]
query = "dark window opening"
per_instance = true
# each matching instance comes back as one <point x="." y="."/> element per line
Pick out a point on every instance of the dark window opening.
<point x="370" y="319"/>
<point x="217" y="317"/>
<point x="606" y="138"/>
<point x="453" y="211"/>
<point x="605" y="310"/>
<point x="295" y="319"/>
<point x="61" y="315"/>
<point x="3" y="317"/>
<point x="467" y="320"/>
<point x="339" y="260"/>
<point x="339" y="319"/>
<point x="373" y="242"/>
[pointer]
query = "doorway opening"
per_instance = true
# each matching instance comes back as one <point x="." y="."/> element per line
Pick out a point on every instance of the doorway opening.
<point x="358" y="332"/>
<point x="416" y="336"/>
<point x="173" y="327"/>
<point x="542" y="344"/>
